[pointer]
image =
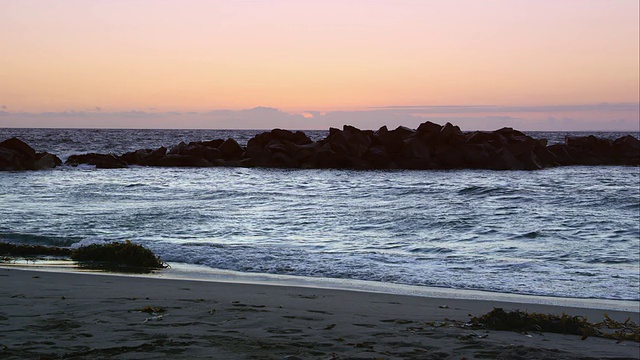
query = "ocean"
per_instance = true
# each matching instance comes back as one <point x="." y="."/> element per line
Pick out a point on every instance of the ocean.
<point x="561" y="232"/>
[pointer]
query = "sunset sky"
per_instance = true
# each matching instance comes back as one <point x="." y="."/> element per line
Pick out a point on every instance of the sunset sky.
<point x="530" y="64"/>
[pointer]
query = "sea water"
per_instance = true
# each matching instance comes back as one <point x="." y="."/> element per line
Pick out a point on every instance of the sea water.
<point x="566" y="232"/>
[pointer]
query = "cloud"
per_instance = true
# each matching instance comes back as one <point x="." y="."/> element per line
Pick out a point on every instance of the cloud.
<point x="595" y="117"/>
<point x="496" y="108"/>
<point x="3" y="107"/>
<point x="260" y="117"/>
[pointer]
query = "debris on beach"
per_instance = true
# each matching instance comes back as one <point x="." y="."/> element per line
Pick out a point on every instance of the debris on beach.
<point x="115" y="256"/>
<point x="522" y="321"/>
<point x="127" y="255"/>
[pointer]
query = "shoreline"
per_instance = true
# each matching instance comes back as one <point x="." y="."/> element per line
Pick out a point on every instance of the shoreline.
<point x="189" y="272"/>
<point x="51" y="315"/>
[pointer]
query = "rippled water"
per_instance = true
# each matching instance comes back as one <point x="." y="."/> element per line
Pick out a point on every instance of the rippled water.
<point x="570" y="231"/>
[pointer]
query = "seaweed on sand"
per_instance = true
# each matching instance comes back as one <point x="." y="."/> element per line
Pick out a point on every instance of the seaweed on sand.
<point x="115" y="256"/>
<point x="522" y="321"/>
<point x="123" y="256"/>
<point x="21" y="250"/>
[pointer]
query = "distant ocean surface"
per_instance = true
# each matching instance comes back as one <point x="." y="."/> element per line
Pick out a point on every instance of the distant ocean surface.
<point x="569" y="231"/>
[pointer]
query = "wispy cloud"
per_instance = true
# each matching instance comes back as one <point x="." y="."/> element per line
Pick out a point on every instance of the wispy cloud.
<point x="593" y="117"/>
<point x="459" y="109"/>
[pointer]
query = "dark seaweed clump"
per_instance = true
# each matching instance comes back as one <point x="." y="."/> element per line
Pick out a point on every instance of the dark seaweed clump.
<point x="127" y="254"/>
<point x="115" y="256"/>
<point x="522" y="321"/>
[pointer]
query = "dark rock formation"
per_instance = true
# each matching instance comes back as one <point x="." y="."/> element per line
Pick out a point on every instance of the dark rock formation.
<point x="101" y="161"/>
<point x="144" y="157"/>
<point x="17" y="155"/>
<point x="430" y="146"/>
<point x="279" y="148"/>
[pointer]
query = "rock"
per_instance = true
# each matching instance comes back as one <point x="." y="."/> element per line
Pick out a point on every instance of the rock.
<point x="20" y="147"/>
<point x="277" y="145"/>
<point x="46" y="161"/>
<point x="545" y="157"/>
<point x="378" y="158"/>
<point x="506" y="161"/>
<point x="302" y="153"/>
<point x="431" y="146"/>
<point x="627" y="150"/>
<point x="450" y="157"/>
<point x="428" y="130"/>
<point x="591" y="150"/>
<point x="521" y="147"/>
<point x="110" y="161"/>
<point x="231" y="150"/>
<point x="326" y="158"/>
<point x="248" y="163"/>
<point x="279" y="148"/>
<point x="381" y="132"/>
<point x="144" y="157"/>
<point x="200" y="151"/>
<point x="101" y="161"/>
<point x="282" y="160"/>
<point x="563" y="154"/>
<point x="89" y="159"/>
<point x="298" y="138"/>
<point x="402" y="133"/>
<point x="11" y="160"/>
<point x="260" y="140"/>
<point x="15" y="154"/>
<point x="478" y="156"/>
<point x="176" y="150"/>
<point x="486" y="138"/>
<point x="175" y="160"/>
<point x="415" y="148"/>
<point x="359" y="140"/>
<point x="259" y="156"/>
<point x="136" y="157"/>
<point x="585" y="142"/>
<point x="508" y="132"/>
<point x="212" y="143"/>
<point x="451" y="134"/>
<point x="393" y="140"/>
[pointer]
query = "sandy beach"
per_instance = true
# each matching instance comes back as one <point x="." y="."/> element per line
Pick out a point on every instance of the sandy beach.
<point x="58" y="315"/>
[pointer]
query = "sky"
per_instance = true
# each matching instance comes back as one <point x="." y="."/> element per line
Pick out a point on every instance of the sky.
<point x="528" y="64"/>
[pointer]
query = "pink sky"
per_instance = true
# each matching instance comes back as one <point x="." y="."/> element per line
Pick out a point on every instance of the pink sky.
<point x="538" y="64"/>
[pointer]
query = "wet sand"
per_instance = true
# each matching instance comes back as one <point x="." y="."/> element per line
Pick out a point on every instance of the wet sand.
<point x="53" y="315"/>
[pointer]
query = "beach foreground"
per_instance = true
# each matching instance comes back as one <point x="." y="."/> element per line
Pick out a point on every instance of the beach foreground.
<point x="51" y="315"/>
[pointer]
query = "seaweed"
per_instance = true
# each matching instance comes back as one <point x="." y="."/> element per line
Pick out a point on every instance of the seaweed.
<point x="117" y="254"/>
<point x="21" y="250"/>
<point x="522" y="321"/>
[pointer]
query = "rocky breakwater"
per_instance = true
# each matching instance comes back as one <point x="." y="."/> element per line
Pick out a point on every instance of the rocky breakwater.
<point x="17" y="155"/>
<point x="430" y="146"/>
